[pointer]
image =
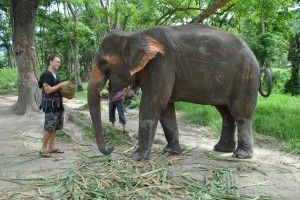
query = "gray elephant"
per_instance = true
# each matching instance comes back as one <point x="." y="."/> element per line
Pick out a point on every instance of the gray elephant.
<point x="191" y="63"/>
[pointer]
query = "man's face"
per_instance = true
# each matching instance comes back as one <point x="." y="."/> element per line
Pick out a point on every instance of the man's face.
<point x="55" y="63"/>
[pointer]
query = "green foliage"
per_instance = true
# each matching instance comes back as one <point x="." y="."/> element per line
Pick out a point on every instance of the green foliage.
<point x="279" y="78"/>
<point x="8" y="80"/>
<point x="133" y="102"/>
<point x="295" y="25"/>
<point x="263" y="24"/>
<point x="293" y="84"/>
<point x="276" y="116"/>
<point x="269" y="48"/>
<point x="63" y="75"/>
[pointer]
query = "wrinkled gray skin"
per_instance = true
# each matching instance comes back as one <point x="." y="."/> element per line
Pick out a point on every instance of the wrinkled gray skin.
<point x="191" y="63"/>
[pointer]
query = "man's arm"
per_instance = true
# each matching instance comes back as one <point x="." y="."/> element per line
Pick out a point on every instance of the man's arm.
<point x="48" y="89"/>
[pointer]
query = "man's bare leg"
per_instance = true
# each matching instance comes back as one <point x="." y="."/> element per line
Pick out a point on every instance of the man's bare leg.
<point x="52" y="142"/>
<point x="52" y="146"/>
<point x="45" y="149"/>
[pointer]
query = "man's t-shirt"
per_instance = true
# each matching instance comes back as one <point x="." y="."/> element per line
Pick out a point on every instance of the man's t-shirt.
<point x="50" y="102"/>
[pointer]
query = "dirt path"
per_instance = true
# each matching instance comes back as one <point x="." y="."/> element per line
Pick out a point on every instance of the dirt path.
<point x="271" y="171"/>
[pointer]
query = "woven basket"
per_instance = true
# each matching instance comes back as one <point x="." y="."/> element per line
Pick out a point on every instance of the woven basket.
<point x="68" y="91"/>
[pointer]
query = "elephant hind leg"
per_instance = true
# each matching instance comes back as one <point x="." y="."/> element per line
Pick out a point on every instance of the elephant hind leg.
<point x="245" y="139"/>
<point x="227" y="142"/>
<point x="170" y="128"/>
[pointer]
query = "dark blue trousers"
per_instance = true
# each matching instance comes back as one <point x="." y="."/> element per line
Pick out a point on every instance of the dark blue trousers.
<point x="112" y="112"/>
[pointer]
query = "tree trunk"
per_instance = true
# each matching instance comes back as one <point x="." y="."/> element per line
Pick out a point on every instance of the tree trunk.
<point x="24" y="14"/>
<point x="106" y="6"/>
<point x="75" y="49"/>
<point x="78" y="82"/>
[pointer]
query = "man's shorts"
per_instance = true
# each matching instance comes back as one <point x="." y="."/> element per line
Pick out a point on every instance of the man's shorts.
<point x="53" y="121"/>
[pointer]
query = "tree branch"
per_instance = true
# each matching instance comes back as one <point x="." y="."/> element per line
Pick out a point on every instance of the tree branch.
<point x="171" y="12"/>
<point x="210" y="10"/>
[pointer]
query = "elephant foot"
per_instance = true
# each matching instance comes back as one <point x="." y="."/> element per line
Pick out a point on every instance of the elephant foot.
<point x="141" y="154"/>
<point x="225" y="147"/>
<point x="243" y="154"/>
<point x="172" y="150"/>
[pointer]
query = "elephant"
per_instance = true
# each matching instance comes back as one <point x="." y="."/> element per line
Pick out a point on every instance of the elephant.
<point x="191" y="63"/>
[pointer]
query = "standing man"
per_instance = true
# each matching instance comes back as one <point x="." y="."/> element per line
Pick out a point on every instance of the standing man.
<point x="117" y="102"/>
<point x="52" y="105"/>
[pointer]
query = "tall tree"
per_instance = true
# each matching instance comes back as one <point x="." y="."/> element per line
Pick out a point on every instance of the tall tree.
<point x="23" y="24"/>
<point x="75" y="46"/>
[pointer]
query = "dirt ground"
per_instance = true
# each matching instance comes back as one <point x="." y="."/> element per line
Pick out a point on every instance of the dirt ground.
<point x="276" y="173"/>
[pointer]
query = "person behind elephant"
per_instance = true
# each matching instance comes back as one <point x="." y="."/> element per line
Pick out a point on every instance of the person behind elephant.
<point x="117" y="102"/>
<point x="52" y="105"/>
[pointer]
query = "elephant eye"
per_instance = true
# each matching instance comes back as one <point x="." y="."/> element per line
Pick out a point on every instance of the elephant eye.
<point x="104" y="65"/>
<point x="103" y="62"/>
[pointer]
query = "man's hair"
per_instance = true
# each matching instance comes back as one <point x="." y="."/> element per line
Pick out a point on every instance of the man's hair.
<point x="51" y="57"/>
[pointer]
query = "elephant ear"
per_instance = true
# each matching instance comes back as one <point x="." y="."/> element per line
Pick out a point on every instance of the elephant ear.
<point x="138" y="50"/>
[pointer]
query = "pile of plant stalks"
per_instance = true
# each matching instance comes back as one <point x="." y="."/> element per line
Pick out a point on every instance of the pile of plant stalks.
<point x="119" y="177"/>
<point x="101" y="177"/>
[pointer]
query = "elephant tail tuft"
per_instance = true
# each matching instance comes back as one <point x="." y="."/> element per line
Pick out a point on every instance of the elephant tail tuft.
<point x="268" y="76"/>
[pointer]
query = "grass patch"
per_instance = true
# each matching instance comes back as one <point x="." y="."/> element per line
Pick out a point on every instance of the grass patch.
<point x="62" y="135"/>
<point x="200" y="114"/>
<point x="8" y="80"/>
<point x="277" y="116"/>
<point x="81" y="95"/>
<point x="113" y="136"/>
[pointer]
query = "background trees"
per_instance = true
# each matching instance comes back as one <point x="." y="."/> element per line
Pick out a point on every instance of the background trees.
<point x="74" y="28"/>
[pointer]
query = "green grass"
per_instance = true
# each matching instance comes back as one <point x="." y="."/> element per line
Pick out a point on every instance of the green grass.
<point x="200" y="114"/>
<point x="81" y="95"/>
<point x="8" y="80"/>
<point x="113" y="136"/>
<point x="277" y="116"/>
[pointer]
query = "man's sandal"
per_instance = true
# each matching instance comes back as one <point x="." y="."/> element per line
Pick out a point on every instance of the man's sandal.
<point x="45" y="154"/>
<point x="57" y="150"/>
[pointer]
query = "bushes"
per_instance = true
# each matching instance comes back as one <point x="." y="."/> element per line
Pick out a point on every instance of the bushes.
<point x="8" y="80"/>
<point x="280" y="77"/>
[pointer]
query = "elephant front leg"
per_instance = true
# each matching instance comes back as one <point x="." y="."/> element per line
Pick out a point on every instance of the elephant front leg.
<point x="245" y="139"/>
<point x="170" y="128"/>
<point x="227" y="142"/>
<point x="147" y="128"/>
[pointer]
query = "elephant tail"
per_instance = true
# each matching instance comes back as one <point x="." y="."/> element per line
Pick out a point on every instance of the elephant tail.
<point x="268" y="76"/>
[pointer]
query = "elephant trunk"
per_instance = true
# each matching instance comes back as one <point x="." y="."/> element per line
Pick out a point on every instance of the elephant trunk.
<point x="96" y="83"/>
